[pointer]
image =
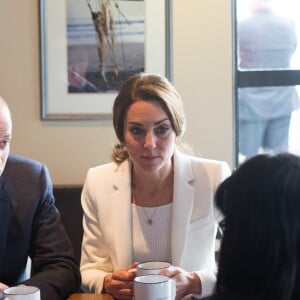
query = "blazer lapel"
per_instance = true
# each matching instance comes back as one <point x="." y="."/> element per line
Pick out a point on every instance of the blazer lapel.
<point x="183" y="201"/>
<point x="121" y="215"/>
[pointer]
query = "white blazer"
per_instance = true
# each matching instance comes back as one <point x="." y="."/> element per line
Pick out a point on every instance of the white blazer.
<point x="106" y="202"/>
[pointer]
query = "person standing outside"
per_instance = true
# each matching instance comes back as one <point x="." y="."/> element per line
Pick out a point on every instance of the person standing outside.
<point x="265" y="41"/>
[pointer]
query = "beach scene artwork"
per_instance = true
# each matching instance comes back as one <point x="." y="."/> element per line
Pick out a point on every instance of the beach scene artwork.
<point x="105" y="43"/>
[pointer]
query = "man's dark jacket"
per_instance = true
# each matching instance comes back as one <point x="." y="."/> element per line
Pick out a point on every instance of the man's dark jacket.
<point x="31" y="226"/>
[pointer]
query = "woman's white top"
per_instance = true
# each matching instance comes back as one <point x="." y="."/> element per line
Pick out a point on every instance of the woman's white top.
<point x="151" y="241"/>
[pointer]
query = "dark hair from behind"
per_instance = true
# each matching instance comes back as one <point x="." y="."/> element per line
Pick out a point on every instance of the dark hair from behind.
<point x="260" y="251"/>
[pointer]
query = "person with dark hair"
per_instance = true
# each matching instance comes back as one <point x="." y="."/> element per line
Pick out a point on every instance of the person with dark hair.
<point x="153" y="202"/>
<point x="260" y="250"/>
<point x="31" y="225"/>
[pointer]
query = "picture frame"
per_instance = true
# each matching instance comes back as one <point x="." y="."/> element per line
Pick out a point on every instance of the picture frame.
<point x="57" y="102"/>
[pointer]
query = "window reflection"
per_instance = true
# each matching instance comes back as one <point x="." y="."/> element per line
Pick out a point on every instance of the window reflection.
<point x="267" y="37"/>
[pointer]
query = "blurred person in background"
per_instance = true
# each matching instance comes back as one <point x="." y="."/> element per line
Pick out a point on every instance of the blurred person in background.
<point x="265" y="41"/>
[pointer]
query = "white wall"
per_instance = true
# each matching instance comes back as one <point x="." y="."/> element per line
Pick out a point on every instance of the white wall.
<point x="202" y="73"/>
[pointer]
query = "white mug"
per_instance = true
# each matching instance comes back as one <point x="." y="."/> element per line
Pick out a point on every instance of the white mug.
<point x="151" y="267"/>
<point x="154" y="287"/>
<point x="22" y="292"/>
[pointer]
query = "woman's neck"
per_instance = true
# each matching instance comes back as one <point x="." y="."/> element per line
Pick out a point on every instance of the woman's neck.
<point x="152" y="189"/>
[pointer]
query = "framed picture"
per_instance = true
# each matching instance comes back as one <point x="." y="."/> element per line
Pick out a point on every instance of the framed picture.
<point x="89" y="47"/>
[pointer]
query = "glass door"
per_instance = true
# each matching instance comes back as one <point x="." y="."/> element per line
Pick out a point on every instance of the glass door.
<point x="267" y="76"/>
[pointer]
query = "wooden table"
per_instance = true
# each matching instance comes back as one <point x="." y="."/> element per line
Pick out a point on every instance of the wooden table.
<point x="90" y="297"/>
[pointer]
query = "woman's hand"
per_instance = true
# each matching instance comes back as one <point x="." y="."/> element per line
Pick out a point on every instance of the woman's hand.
<point x="2" y="288"/>
<point x="186" y="283"/>
<point x="119" y="283"/>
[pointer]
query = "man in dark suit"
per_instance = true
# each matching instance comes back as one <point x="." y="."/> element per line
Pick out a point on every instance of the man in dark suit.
<point x="31" y="225"/>
<point x="266" y="41"/>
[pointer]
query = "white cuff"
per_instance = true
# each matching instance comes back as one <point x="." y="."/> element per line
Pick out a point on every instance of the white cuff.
<point x="208" y="283"/>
